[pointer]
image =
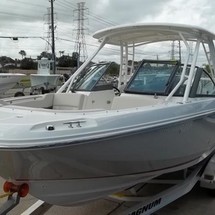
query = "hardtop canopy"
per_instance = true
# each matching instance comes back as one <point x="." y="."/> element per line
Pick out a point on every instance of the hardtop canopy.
<point x="131" y="36"/>
<point x="147" y="33"/>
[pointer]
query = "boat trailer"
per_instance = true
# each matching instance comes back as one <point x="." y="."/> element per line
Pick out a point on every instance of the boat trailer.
<point x="132" y="201"/>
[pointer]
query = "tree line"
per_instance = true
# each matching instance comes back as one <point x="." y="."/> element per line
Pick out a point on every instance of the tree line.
<point x="27" y="63"/>
<point x="62" y="61"/>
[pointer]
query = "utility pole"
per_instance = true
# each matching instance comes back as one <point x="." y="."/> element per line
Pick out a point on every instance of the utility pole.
<point x="80" y="44"/>
<point x="53" y="36"/>
<point x="49" y="32"/>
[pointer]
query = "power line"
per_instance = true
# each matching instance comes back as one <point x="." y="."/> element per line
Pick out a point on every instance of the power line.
<point x="104" y="21"/>
<point x="24" y="2"/>
<point x="97" y="17"/>
<point x="2" y="13"/>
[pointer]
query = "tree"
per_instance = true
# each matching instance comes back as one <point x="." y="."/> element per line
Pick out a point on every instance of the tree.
<point x="28" y="63"/>
<point x="61" y="53"/>
<point x="68" y="61"/>
<point x="65" y="61"/>
<point x="44" y="55"/>
<point x="114" y="69"/>
<point x="207" y="68"/>
<point x="75" y="58"/>
<point x="4" y="60"/>
<point x="23" y="53"/>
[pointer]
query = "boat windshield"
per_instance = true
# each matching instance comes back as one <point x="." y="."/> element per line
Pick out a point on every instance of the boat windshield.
<point x="93" y="78"/>
<point x="152" y="77"/>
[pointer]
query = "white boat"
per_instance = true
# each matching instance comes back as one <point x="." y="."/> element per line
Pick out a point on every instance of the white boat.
<point x="9" y="80"/>
<point x="44" y="81"/>
<point x="84" y="142"/>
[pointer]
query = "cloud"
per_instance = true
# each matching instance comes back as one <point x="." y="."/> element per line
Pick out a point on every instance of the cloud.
<point x="126" y="11"/>
<point x="22" y="10"/>
<point x="27" y="18"/>
<point x="193" y="12"/>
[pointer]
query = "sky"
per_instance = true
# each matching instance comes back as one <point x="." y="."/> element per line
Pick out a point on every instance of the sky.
<point x="29" y="18"/>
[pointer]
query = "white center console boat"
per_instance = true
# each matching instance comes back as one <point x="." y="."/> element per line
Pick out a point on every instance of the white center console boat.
<point x="90" y="139"/>
<point x="44" y="81"/>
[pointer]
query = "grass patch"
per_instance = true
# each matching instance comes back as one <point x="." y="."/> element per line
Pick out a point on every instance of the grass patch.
<point x="25" y="82"/>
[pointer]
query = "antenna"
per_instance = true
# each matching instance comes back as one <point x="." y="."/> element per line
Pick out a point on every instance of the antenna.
<point x="80" y="44"/>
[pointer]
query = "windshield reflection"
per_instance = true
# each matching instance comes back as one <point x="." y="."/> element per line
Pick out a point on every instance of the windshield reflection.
<point x="90" y="77"/>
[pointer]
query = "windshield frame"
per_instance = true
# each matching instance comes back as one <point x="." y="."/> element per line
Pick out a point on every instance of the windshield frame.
<point x="86" y="76"/>
<point x="166" y="90"/>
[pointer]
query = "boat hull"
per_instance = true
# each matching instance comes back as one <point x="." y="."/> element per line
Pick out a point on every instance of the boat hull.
<point x="44" y="80"/>
<point x="8" y="81"/>
<point x="97" y="153"/>
<point x="96" y="168"/>
<point x="78" y="191"/>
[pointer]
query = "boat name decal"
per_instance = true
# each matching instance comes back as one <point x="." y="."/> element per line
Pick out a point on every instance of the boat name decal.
<point x="146" y="208"/>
